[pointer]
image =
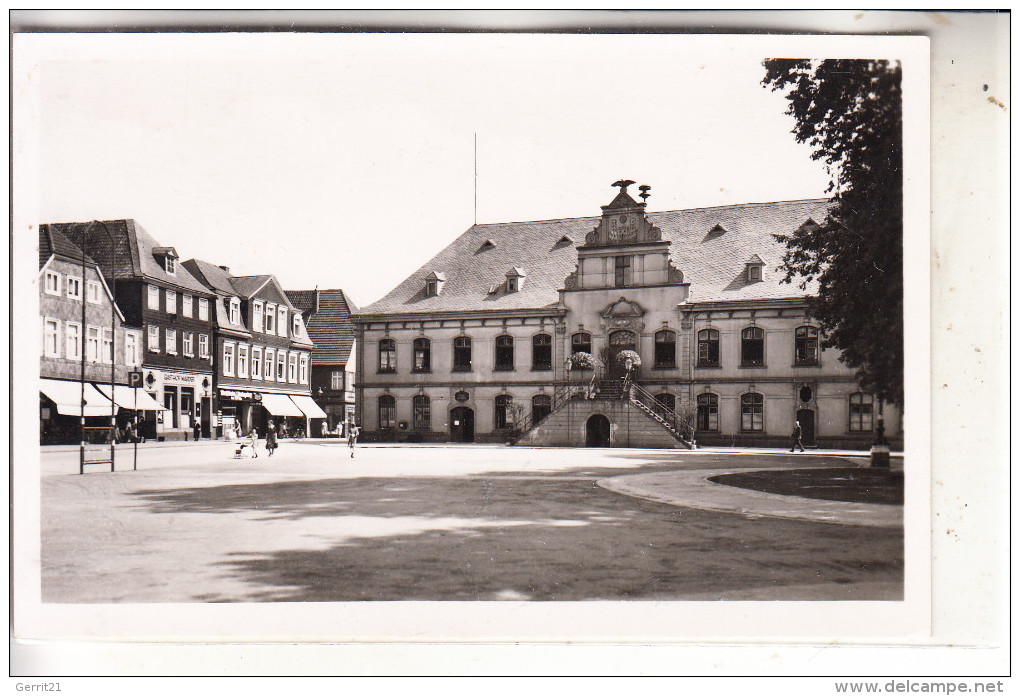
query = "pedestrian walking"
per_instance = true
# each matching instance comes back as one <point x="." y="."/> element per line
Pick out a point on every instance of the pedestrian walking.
<point x="352" y="438"/>
<point x="253" y="442"/>
<point x="271" y="443"/>
<point x="797" y="432"/>
<point x="237" y="430"/>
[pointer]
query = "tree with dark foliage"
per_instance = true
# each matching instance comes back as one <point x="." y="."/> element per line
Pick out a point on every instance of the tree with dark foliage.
<point x="850" y="112"/>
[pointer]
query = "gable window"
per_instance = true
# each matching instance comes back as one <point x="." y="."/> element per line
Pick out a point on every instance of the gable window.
<point x="93" y="292"/>
<point x="171" y="341"/>
<point x="153" y="297"/>
<point x="256" y="316"/>
<point x="462" y="354"/>
<point x="622" y="277"/>
<point x="74" y="287"/>
<point x="256" y="362"/>
<point x="387" y="355"/>
<point x="422" y="355"/>
<point x="541" y="407"/>
<point x="188" y="339"/>
<point x="242" y="360"/>
<point x="806" y="345"/>
<point x="153" y="339"/>
<point x="281" y="324"/>
<point x="665" y="349"/>
<point x="51" y="338"/>
<point x="131" y="355"/>
<point x="580" y="343"/>
<point x="708" y="348"/>
<point x="270" y="364"/>
<point x="502" y="414"/>
<point x="303" y="369"/>
<point x="235" y="311"/>
<point x="292" y="368"/>
<point x="754" y="273"/>
<point x="203" y="309"/>
<point x="270" y="319"/>
<point x="92" y="344"/>
<point x="52" y="283"/>
<point x="203" y="345"/>
<point x="422" y="417"/>
<point x="861" y="413"/>
<point x="752" y="412"/>
<point x="171" y="301"/>
<point x="228" y="359"/>
<point x="752" y="347"/>
<point x="504" y="352"/>
<point x="107" y="346"/>
<point x="541" y="352"/>
<point x="336" y="380"/>
<point x="387" y="411"/>
<point x="281" y="366"/>
<point x="708" y="412"/>
<point x="72" y="340"/>
<point x="187" y="305"/>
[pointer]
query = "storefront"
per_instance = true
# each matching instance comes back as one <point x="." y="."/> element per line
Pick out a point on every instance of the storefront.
<point x="62" y="403"/>
<point x="186" y="398"/>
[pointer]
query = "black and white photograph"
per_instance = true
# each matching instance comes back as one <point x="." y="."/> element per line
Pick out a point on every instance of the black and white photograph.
<point x="477" y="336"/>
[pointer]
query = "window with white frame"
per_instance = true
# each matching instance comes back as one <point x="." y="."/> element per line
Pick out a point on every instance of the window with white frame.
<point x="51" y="338"/>
<point x="171" y="301"/>
<point x="281" y="366"/>
<point x="203" y="345"/>
<point x="74" y="287"/>
<point x="188" y="339"/>
<point x="296" y="329"/>
<point x="203" y="309"/>
<point x="187" y="305"/>
<point x="153" y="297"/>
<point x="256" y="362"/>
<point x="336" y="380"/>
<point x="131" y="356"/>
<point x="303" y="369"/>
<point x="270" y="365"/>
<point x="108" y="346"/>
<point x="228" y="359"/>
<point x="93" y="292"/>
<point x="51" y="283"/>
<point x="153" y="339"/>
<point x="281" y="325"/>
<point x="256" y="316"/>
<point x="171" y="341"/>
<point x="235" y="311"/>
<point x="92" y="344"/>
<point x="270" y="318"/>
<point x="169" y="264"/>
<point x="292" y="368"/>
<point x="72" y="340"/>
<point x="242" y="360"/>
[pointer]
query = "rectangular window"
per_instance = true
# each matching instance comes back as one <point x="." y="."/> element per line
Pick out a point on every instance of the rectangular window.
<point x="422" y="355"/>
<point x="74" y="287"/>
<point x="270" y="365"/>
<point x="93" y="292"/>
<point x="153" y="297"/>
<point x="387" y="411"/>
<point x="189" y="343"/>
<point x="107" y="346"/>
<point x="422" y="413"/>
<point x="292" y="368"/>
<point x="131" y="356"/>
<point x="242" y="360"/>
<point x="256" y="362"/>
<point x="708" y="348"/>
<point x="387" y="355"/>
<point x="187" y="302"/>
<point x="203" y="309"/>
<point x="336" y="381"/>
<point x="72" y="340"/>
<point x="203" y="345"/>
<point x="92" y="344"/>
<point x="51" y="338"/>
<point x="153" y="339"/>
<point x="270" y="318"/>
<point x="303" y="369"/>
<point x="169" y="265"/>
<point x="228" y="359"/>
<point x="296" y="329"/>
<point x="235" y="311"/>
<point x="665" y="349"/>
<point x="281" y="366"/>
<point x="752" y="347"/>
<point x="171" y="301"/>
<point x="282" y="321"/>
<point x="171" y="341"/>
<point x="861" y="413"/>
<point x="52" y="283"/>
<point x="256" y="316"/>
<point x="752" y="412"/>
<point x="622" y="276"/>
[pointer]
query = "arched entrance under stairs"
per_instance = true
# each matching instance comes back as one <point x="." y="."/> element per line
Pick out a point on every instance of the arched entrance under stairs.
<point x="597" y="431"/>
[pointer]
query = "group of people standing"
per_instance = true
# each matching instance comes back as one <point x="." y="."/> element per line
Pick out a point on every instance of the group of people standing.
<point x="253" y="439"/>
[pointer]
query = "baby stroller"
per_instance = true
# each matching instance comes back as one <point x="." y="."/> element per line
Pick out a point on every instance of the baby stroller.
<point x="250" y="443"/>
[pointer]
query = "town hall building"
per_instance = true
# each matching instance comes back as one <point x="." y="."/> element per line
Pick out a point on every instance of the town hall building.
<point x="631" y="329"/>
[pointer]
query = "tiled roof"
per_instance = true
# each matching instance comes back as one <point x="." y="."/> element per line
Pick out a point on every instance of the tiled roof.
<point x="248" y="285"/>
<point x="51" y="241"/>
<point x="712" y="262"/>
<point x="211" y="275"/>
<point x="331" y="328"/>
<point x="134" y="253"/>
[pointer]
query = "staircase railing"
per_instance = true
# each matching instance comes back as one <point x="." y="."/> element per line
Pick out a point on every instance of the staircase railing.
<point x="682" y="426"/>
<point x="562" y="393"/>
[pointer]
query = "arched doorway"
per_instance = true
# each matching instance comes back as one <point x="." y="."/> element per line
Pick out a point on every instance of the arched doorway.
<point x="806" y="418"/>
<point x="462" y="424"/>
<point x="597" y="431"/>
<point x="619" y="341"/>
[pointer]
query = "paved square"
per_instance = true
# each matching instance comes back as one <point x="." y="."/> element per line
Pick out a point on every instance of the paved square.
<point x="431" y="523"/>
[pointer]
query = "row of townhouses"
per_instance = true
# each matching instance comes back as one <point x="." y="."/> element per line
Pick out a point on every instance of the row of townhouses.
<point x="214" y="352"/>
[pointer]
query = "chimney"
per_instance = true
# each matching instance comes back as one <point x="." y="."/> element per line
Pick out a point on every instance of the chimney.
<point x="316" y="299"/>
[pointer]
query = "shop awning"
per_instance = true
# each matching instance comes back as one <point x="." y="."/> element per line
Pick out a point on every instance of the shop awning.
<point x="280" y="405"/>
<point x="125" y="397"/>
<point x="309" y="407"/>
<point x="67" y="396"/>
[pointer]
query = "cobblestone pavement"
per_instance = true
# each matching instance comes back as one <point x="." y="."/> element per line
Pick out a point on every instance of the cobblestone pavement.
<point x="193" y="524"/>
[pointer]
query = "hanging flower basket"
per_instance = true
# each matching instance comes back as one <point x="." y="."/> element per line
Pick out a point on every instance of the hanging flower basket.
<point x="583" y="361"/>
<point x="629" y="358"/>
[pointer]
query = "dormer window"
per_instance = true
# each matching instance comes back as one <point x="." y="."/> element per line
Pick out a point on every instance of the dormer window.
<point x="169" y="265"/>
<point x="297" y="331"/>
<point x="168" y="256"/>
<point x="235" y="311"/>
<point x="434" y="283"/>
<point x="486" y="245"/>
<point x="754" y="268"/>
<point x="515" y="279"/>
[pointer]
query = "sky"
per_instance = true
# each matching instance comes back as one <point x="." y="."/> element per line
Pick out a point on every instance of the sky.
<point x="348" y="160"/>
